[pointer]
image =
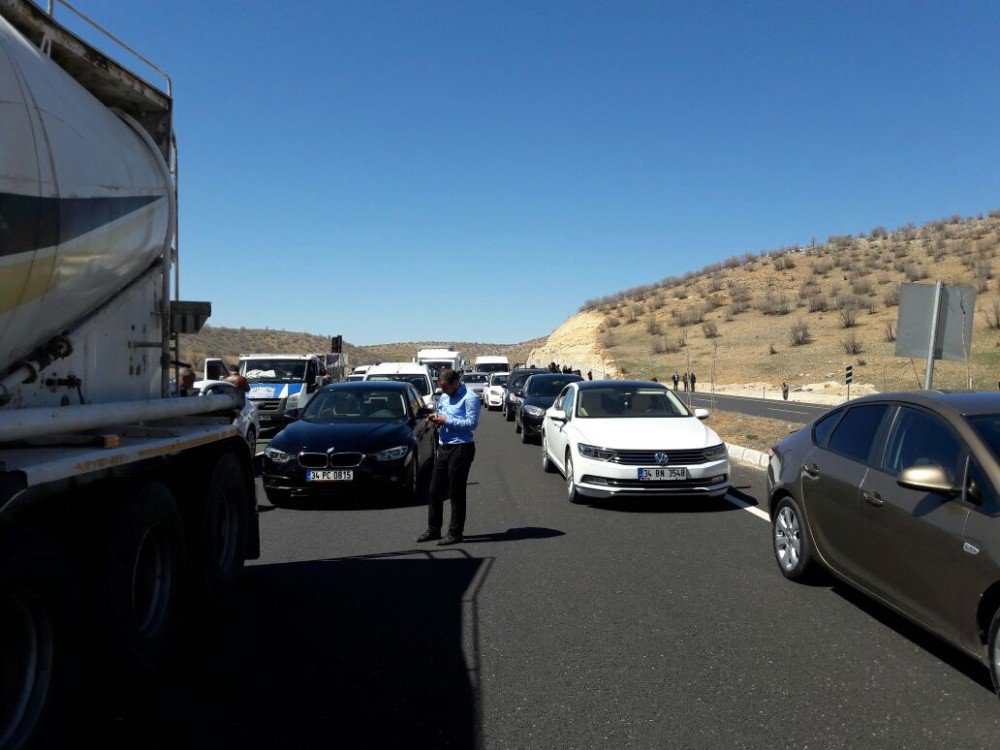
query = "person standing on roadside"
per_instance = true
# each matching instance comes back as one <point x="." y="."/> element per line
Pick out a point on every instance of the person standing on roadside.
<point x="685" y="379"/>
<point x="457" y="417"/>
<point x="784" y="390"/>
<point x="693" y="378"/>
<point x="677" y="379"/>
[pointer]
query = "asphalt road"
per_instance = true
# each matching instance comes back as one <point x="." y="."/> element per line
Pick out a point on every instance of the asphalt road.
<point x="786" y="411"/>
<point x="647" y="624"/>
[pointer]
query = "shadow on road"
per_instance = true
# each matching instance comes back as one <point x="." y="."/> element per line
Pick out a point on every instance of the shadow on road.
<point x="954" y="658"/>
<point x="666" y="504"/>
<point x="514" y="535"/>
<point x="370" y="652"/>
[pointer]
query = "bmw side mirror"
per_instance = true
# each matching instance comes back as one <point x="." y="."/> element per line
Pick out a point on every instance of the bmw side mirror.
<point x="934" y="479"/>
<point x="701" y="413"/>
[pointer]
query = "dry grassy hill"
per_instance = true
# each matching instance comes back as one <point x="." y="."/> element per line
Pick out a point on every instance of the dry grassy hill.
<point x="229" y="343"/>
<point x="798" y="314"/>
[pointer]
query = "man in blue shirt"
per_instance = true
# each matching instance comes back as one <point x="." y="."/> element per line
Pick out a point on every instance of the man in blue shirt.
<point x="457" y="416"/>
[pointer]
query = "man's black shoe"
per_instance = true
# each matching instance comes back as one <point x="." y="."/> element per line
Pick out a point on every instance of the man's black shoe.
<point x="450" y="539"/>
<point x="429" y="536"/>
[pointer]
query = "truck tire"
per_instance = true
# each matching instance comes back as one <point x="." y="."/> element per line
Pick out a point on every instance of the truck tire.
<point x="217" y="532"/>
<point x="36" y="627"/>
<point x="140" y="585"/>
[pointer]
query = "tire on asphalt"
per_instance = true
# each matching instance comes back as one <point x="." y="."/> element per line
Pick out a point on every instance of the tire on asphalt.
<point x="217" y="529"/>
<point x="139" y="605"/>
<point x="792" y="542"/>
<point x="547" y="466"/>
<point x="517" y="427"/>
<point x="525" y="437"/>
<point x="571" y="492"/>
<point x="507" y="415"/>
<point x="37" y="627"/>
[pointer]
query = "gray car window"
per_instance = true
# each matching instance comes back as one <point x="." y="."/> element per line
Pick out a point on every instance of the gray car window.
<point x="567" y="405"/>
<point x="855" y="433"/>
<point x="920" y="439"/>
<point x="823" y="428"/>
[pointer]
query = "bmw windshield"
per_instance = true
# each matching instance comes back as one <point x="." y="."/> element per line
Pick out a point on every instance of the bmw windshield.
<point x="355" y="405"/>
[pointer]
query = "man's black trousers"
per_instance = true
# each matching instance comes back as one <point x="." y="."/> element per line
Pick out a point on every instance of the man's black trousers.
<point x="451" y="472"/>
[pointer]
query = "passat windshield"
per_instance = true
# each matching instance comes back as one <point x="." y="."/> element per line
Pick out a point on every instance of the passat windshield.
<point x="417" y="381"/>
<point x="626" y="403"/>
<point x="475" y="377"/>
<point x="498" y="380"/>
<point x="355" y="405"/>
<point x="276" y="370"/>
<point x="547" y="386"/>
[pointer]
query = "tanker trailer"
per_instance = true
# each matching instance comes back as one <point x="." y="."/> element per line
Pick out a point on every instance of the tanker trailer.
<point x="118" y="502"/>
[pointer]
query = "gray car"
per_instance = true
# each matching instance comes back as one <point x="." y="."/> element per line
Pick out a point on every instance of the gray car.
<point x="897" y="494"/>
<point x="476" y="382"/>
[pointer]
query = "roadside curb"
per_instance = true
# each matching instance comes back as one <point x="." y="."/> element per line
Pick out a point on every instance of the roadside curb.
<point x="747" y="456"/>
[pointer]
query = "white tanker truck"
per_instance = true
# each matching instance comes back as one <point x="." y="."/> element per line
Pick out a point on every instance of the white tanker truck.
<point x="118" y="502"/>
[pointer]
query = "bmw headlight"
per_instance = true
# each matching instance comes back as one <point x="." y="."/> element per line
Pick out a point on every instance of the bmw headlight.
<point x="391" y="454"/>
<point x="533" y="411"/>
<point x="596" y="453"/>
<point x="716" y="452"/>
<point x="278" y="456"/>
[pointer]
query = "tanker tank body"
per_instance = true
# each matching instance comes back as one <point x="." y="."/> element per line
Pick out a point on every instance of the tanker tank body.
<point x="119" y="505"/>
<point x="87" y="206"/>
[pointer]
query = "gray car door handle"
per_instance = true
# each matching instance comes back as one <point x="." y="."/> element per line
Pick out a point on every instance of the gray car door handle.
<point x="812" y="470"/>
<point x="873" y="498"/>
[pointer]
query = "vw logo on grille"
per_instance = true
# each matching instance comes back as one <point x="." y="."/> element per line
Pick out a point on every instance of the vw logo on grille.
<point x="662" y="458"/>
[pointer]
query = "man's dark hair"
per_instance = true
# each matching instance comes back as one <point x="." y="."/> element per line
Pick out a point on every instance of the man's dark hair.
<point x="449" y="376"/>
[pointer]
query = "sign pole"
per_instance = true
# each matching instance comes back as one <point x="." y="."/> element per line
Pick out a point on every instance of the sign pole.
<point x="929" y="372"/>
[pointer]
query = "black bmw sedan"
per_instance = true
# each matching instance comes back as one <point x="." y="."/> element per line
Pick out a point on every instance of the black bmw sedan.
<point x="539" y="394"/>
<point x="361" y="435"/>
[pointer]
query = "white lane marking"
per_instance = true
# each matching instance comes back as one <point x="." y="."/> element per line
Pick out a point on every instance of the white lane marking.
<point x="749" y="508"/>
<point x="789" y="411"/>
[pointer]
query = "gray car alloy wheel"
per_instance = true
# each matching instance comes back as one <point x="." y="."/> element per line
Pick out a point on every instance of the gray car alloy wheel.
<point x="787" y="538"/>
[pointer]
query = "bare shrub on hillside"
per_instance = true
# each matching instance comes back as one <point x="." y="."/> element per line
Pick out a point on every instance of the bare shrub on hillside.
<point x="772" y="349"/>
<point x="822" y="267"/>
<point x="714" y="283"/>
<point x="851" y="345"/>
<point x="689" y="316"/>
<point x="655" y="303"/>
<point x="862" y="286"/>
<point x="633" y="313"/>
<point x="800" y="333"/>
<point x="663" y="345"/>
<point x="983" y="268"/>
<point x="840" y="241"/>
<point x="784" y="263"/>
<point x="915" y="272"/>
<point x="888" y="333"/>
<point x="736" y="307"/>
<point x="710" y="329"/>
<point x="681" y="293"/>
<point x="879" y="233"/>
<point x="733" y="261"/>
<point x="774" y="304"/>
<point x="613" y="322"/>
<point x="872" y="306"/>
<point x="848" y="316"/>
<point x="739" y="291"/>
<point x="891" y="296"/>
<point x="982" y="284"/>
<point x="608" y="340"/>
<point x="993" y="315"/>
<point x="817" y="303"/>
<point x="883" y="278"/>
<point x="653" y="327"/>
<point x="715" y="301"/>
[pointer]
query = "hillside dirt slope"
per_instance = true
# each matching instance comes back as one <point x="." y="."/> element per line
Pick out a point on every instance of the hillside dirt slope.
<point x="797" y="315"/>
<point x="576" y="342"/>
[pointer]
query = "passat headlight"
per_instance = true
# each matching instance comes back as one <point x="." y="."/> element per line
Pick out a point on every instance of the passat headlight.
<point x="533" y="411"/>
<point x="716" y="452"/>
<point x="278" y="456"/>
<point x="391" y="454"/>
<point x="593" y="451"/>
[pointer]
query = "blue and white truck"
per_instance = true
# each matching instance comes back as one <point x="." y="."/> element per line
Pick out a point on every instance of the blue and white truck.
<point x="279" y="382"/>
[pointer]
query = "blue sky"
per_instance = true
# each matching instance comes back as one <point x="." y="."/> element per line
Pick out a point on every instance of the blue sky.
<point x="400" y="171"/>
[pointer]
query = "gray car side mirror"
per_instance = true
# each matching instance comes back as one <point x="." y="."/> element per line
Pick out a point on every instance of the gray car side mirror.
<point x="929" y="479"/>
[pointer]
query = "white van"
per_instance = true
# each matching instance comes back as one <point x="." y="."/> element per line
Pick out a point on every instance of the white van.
<point x="407" y="372"/>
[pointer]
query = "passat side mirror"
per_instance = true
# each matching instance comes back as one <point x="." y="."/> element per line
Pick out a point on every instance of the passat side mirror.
<point x="557" y="415"/>
<point x="935" y="479"/>
<point x="701" y="413"/>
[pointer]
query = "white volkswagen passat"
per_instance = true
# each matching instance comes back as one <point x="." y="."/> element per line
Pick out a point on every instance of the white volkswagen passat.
<point x="621" y="437"/>
<point x="493" y="392"/>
